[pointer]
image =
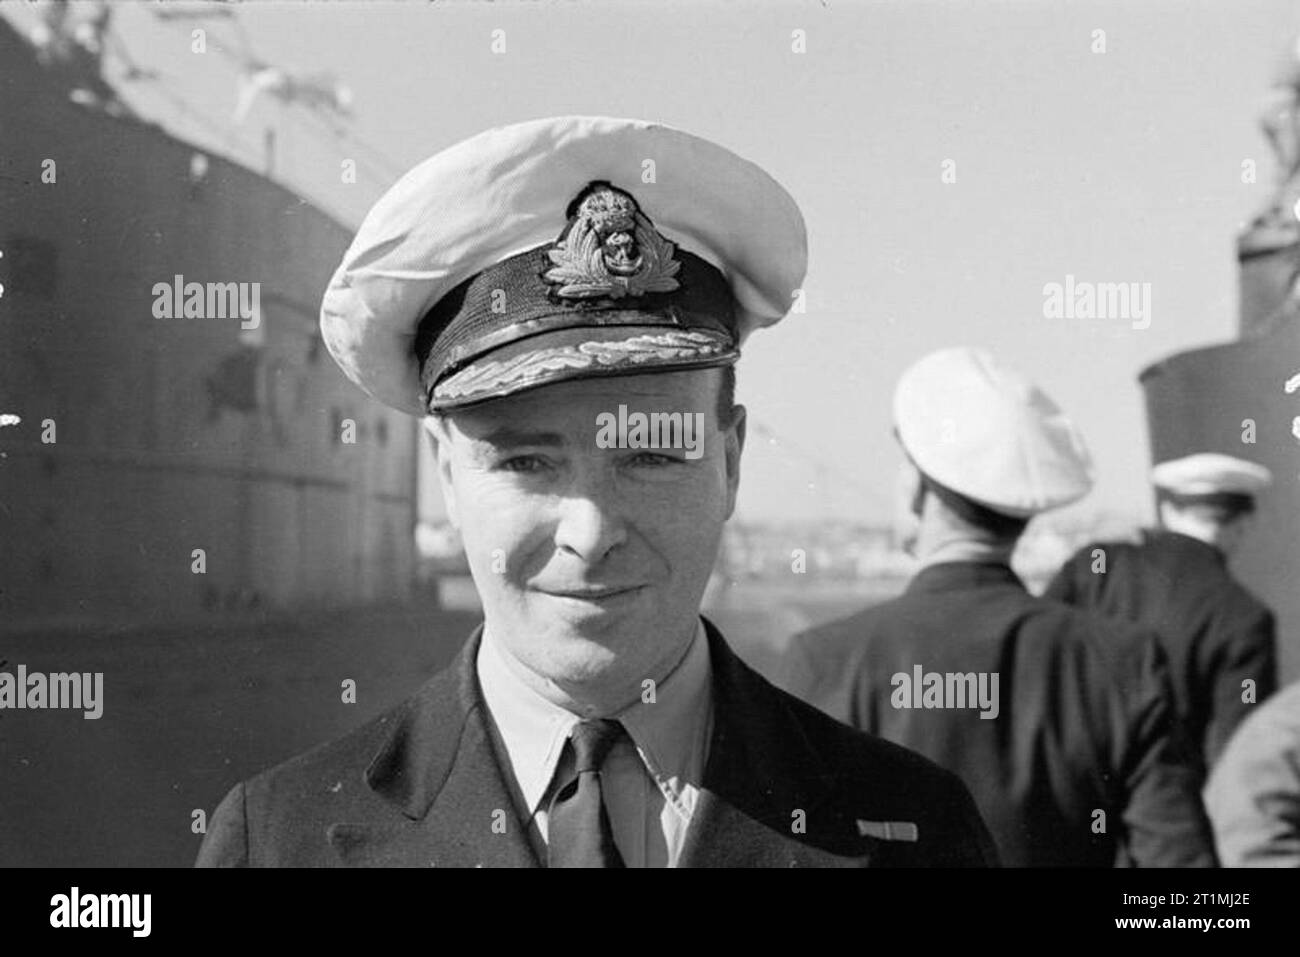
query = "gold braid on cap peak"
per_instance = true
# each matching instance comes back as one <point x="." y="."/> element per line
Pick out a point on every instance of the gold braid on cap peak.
<point x="522" y="369"/>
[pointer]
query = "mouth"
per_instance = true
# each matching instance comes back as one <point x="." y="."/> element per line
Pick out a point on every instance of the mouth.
<point x="596" y="595"/>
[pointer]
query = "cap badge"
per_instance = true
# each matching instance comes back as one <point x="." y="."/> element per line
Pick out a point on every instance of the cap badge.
<point x="611" y="249"/>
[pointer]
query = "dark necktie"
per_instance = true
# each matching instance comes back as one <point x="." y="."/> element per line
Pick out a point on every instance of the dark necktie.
<point x="578" y="831"/>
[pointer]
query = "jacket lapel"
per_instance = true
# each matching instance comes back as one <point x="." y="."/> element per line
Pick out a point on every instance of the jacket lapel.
<point x="761" y="772"/>
<point x="439" y="769"/>
<point x="439" y="772"/>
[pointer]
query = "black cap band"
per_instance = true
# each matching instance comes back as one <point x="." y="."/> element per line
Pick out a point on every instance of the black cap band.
<point x="608" y="268"/>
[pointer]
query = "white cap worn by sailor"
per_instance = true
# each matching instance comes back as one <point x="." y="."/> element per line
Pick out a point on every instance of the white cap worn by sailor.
<point x="986" y="432"/>
<point x="1210" y="474"/>
<point x="544" y="251"/>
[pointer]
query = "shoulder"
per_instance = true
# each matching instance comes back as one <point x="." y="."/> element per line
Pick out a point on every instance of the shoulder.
<point x="832" y="644"/>
<point x="281" y="815"/>
<point x="1103" y="553"/>
<point x="856" y="636"/>
<point x="1239" y="606"/>
<point x="1083" y="626"/>
<point x="319" y="771"/>
<point x="894" y="772"/>
<point x="824" y="665"/>
<point x="910" y="807"/>
<point x="1118" y="644"/>
<point x="1101" y="655"/>
<point x="1094" y="550"/>
<point x="783" y="755"/>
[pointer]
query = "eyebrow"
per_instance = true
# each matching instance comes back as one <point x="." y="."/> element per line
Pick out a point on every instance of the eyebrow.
<point x="508" y="437"/>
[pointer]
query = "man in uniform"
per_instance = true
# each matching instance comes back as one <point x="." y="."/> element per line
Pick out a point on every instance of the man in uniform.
<point x="1063" y="734"/>
<point x="521" y="291"/>
<point x="1219" y="638"/>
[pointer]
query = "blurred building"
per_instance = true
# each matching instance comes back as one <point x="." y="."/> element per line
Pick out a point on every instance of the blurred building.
<point x="141" y="440"/>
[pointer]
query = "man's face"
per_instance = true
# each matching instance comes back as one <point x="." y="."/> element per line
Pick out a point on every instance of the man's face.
<point x="1234" y="532"/>
<point x="1226" y="532"/>
<point x="591" y="562"/>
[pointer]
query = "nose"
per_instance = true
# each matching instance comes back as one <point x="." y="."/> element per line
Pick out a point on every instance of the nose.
<point x="591" y="522"/>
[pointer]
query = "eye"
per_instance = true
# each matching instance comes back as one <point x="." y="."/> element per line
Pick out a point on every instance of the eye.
<point x="654" y="460"/>
<point x="523" y="463"/>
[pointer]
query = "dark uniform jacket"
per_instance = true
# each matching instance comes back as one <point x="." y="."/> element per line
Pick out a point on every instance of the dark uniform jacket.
<point x="1214" y="632"/>
<point x="422" y="785"/>
<point x="1083" y="725"/>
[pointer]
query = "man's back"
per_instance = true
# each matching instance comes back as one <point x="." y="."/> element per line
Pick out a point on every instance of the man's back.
<point x="1082" y="725"/>
<point x="1213" y="631"/>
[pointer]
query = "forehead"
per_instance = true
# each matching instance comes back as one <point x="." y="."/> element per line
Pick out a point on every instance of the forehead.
<point x="576" y="403"/>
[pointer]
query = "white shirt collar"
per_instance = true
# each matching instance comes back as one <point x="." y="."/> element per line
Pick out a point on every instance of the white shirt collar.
<point x="667" y="731"/>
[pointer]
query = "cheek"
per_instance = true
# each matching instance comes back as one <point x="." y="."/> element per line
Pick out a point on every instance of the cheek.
<point x="688" y="539"/>
<point x="685" y="517"/>
<point x="500" y="527"/>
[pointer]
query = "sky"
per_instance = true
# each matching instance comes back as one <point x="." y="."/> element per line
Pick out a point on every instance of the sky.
<point x="1115" y="166"/>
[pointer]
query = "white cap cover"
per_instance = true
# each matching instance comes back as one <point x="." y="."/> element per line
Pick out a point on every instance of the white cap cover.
<point x="988" y="433"/>
<point x="1210" y="473"/>
<point x="504" y="191"/>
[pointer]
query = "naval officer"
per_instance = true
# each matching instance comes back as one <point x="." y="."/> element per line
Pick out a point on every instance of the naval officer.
<point x="1219" y="638"/>
<point x="1063" y="732"/>
<point x="513" y="292"/>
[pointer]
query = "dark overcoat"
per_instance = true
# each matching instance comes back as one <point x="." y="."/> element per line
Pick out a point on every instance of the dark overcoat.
<point x="423" y="785"/>
<point x="1215" y="633"/>
<point x="1083" y="764"/>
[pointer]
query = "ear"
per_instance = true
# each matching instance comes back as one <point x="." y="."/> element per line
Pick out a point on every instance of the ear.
<point x="907" y="502"/>
<point x="913" y="486"/>
<point x="734" y="437"/>
<point x="918" y="497"/>
<point x="438" y="429"/>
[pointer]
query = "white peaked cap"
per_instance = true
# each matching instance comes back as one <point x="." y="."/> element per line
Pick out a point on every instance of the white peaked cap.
<point x="1209" y="473"/>
<point x="989" y="434"/>
<point x="505" y="191"/>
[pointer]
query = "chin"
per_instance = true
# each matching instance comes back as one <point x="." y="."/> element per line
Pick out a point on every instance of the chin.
<point x="579" y="646"/>
<point x="578" y="662"/>
<point x="613" y="628"/>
